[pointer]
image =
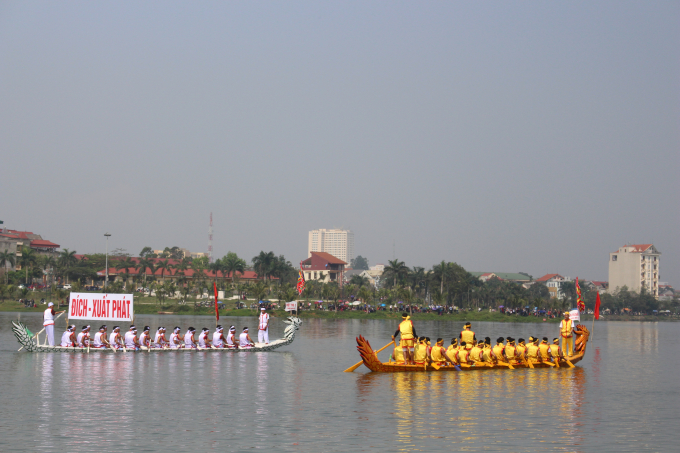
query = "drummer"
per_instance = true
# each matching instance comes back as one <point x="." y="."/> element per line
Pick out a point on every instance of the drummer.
<point x="408" y="336"/>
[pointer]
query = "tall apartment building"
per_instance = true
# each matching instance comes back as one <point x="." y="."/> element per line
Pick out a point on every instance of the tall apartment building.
<point x="635" y="266"/>
<point x="339" y="243"/>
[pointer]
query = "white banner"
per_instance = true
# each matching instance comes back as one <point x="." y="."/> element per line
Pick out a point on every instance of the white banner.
<point x="100" y="306"/>
<point x="575" y="316"/>
<point x="290" y="306"/>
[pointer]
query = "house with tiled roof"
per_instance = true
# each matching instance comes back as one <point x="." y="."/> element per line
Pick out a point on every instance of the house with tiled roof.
<point x="14" y="241"/>
<point x="554" y="283"/>
<point x="324" y="267"/>
<point x="506" y="276"/>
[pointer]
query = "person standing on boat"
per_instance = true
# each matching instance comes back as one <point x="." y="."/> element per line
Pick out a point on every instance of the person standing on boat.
<point x="263" y="329"/>
<point x="48" y="322"/>
<point x="467" y="335"/>
<point x="244" y="339"/>
<point x="84" y="337"/>
<point x="408" y="335"/>
<point x="115" y="340"/>
<point x="218" y="337"/>
<point x="131" y="341"/>
<point x="203" y="339"/>
<point x="100" y="340"/>
<point x="189" y="340"/>
<point x="145" y="338"/>
<point x="567" y="333"/>
<point x="68" y="338"/>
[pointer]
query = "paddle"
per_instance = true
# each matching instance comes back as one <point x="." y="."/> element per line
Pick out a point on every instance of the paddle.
<point x="571" y="365"/>
<point x="506" y="364"/>
<point x="354" y="367"/>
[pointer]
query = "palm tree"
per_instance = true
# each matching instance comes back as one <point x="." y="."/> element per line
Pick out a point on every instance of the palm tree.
<point x="439" y="273"/>
<point x="126" y="265"/>
<point x="28" y="259"/>
<point x="66" y="260"/>
<point x="163" y="265"/>
<point x="396" y="269"/>
<point x="262" y="264"/>
<point x="142" y="265"/>
<point x="5" y="258"/>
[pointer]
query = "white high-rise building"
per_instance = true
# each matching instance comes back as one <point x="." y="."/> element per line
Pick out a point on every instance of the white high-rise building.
<point x="635" y="266"/>
<point x="339" y="243"/>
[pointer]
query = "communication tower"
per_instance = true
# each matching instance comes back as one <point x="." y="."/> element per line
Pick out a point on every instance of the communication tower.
<point x="210" y="254"/>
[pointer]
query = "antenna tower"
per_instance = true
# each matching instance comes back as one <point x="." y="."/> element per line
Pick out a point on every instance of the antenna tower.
<point x="210" y="254"/>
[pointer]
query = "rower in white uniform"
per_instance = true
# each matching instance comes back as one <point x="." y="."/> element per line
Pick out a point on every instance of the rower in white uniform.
<point x="84" y="337"/>
<point x="48" y="322"/>
<point x="244" y="339"/>
<point x="100" y="340"/>
<point x="131" y="341"/>
<point x="232" y="341"/>
<point x="189" y="340"/>
<point x="68" y="338"/>
<point x="204" y="339"/>
<point x="144" y="338"/>
<point x="175" y="340"/>
<point x="159" y="340"/>
<point x="115" y="340"/>
<point x="263" y="329"/>
<point x="218" y="338"/>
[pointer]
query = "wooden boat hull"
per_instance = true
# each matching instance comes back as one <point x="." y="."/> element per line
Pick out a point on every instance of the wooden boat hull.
<point x="30" y="343"/>
<point x="371" y="361"/>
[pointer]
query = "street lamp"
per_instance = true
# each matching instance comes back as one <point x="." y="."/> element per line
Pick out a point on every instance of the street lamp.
<point x="106" y="281"/>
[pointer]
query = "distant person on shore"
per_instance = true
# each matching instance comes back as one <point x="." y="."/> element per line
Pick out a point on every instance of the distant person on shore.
<point x="263" y="328"/>
<point x="244" y="339"/>
<point x="408" y="335"/>
<point x="48" y="322"/>
<point x="467" y="335"/>
<point x="567" y="333"/>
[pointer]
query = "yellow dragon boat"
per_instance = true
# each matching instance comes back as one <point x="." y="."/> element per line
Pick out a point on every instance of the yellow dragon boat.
<point x="370" y="359"/>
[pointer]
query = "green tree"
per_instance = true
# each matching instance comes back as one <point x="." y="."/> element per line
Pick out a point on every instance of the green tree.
<point x="263" y="264"/>
<point x="163" y="266"/>
<point x="360" y="263"/>
<point x="143" y="264"/>
<point x="147" y="252"/>
<point x="28" y="259"/>
<point x="233" y="264"/>
<point x="126" y="264"/>
<point x="359" y="281"/>
<point x="6" y="258"/>
<point x="67" y="259"/>
<point x="396" y="270"/>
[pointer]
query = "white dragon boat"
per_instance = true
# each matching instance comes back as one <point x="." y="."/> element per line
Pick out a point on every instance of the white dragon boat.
<point x="31" y="342"/>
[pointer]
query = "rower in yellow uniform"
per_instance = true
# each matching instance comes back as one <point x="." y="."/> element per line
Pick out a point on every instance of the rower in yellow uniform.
<point x="498" y="350"/>
<point x="555" y="352"/>
<point x="421" y="352"/>
<point x="467" y="335"/>
<point x="453" y="348"/>
<point x="510" y="351"/>
<point x="487" y="353"/>
<point x="476" y="351"/>
<point x="463" y="354"/>
<point x="532" y="350"/>
<point x="521" y="349"/>
<point x="398" y="354"/>
<point x="438" y="354"/>
<point x="567" y="333"/>
<point x="408" y="335"/>
<point x="544" y="350"/>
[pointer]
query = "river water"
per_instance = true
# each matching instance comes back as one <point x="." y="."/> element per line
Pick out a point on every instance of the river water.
<point x="624" y="396"/>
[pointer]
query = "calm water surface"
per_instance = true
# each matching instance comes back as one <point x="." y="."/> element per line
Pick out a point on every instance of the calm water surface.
<point x="623" y="397"/>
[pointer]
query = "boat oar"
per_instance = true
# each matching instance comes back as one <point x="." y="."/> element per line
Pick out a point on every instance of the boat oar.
<point x="506" y="364"/>
<point x="571" y="365"/>
<point x="355" y="366"/>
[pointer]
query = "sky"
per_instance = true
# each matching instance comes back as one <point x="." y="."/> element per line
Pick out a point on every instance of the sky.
<point x="529" y="137"/>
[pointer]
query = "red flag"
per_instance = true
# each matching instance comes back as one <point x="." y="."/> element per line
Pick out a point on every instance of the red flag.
<point x="579" y="301"/>
<point x="217" y="312"/>
<point x="597" y="306"/>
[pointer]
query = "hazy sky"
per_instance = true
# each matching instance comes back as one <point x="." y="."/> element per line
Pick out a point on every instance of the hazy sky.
<point x="504" y="136"/>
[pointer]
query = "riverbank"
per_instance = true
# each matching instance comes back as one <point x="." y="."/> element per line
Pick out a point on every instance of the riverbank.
<point x="149" y="308"/>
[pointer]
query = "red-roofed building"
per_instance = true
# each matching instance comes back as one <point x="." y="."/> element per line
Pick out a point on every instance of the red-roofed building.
<point x="554" y="283"/>
<point x="635" y="266"/>
<point x="324" y="267"/>
<point x="14" y="241"/>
